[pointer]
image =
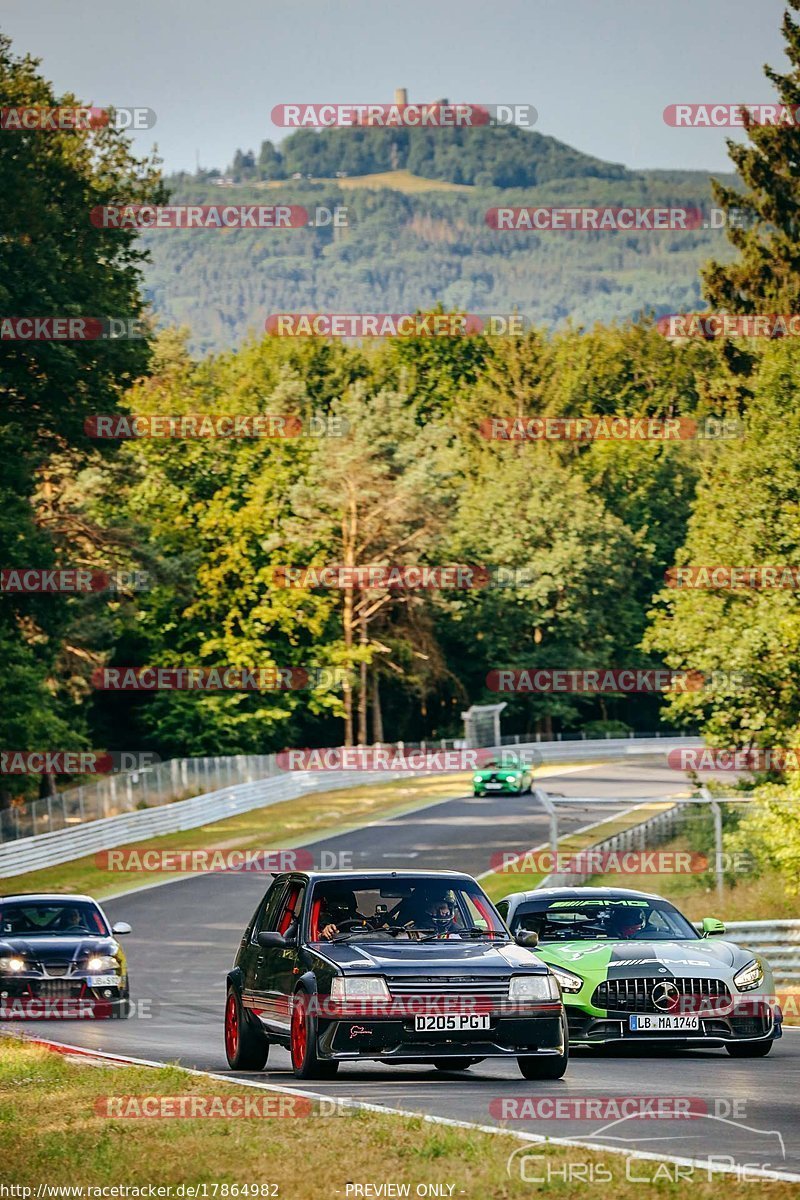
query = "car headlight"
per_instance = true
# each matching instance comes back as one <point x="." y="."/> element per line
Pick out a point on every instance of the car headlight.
<point x="749" y="977"/>
<point x="358" y="987"/>
<point x="477" y="779"/>
<point x="533" y="987"/>
<point x="511" y="778"/>
<point x="569" y="982"/>
<point x="12" y="964"/>
<point x="102" y="962"/>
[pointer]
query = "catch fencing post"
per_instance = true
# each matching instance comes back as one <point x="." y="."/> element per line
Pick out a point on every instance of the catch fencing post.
<point x="717" y="813"/>
<point x="550" y="808"/>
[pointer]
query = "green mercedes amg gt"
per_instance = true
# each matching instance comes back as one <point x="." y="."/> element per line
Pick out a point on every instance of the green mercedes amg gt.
<point x="633" y="969"/>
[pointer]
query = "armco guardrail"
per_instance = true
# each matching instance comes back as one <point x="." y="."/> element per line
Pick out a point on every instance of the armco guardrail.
<point x="181" y="778"/>
<point x="776" y="941"/>
<point x="652" y="832"/>
<point x="64" y="845"/>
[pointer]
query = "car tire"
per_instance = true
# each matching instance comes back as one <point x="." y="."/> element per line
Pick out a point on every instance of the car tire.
<point x="454" y="1064"/>
<point x="306" y="1063"/>
<point x="246" y="1047"/>
<point x="749" y="1049"/>
<point x="536" y="1066"/>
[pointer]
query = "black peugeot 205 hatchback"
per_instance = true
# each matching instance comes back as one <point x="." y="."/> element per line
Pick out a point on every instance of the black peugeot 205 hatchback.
<point x="398" y="966"/>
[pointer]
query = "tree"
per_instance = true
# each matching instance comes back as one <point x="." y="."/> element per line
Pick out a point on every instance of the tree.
<point x="747" y="640"/>
<point x="54" y="262"/>
<point x="764" y="218"/>
<point x="372" y="499"/>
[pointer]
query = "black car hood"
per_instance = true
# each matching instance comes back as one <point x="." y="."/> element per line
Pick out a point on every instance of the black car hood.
<point x="430" y="958"/>
<point x="57" y="949"/>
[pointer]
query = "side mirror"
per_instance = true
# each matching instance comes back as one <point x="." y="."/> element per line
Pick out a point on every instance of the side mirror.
<point x="711" y="925"/>
<point x="526" y="937"/>
<point x="120" y="928"/>
<point x="270" y="937"/>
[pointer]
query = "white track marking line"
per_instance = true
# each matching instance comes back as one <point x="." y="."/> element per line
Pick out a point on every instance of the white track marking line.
<point x="365" y="1106"/>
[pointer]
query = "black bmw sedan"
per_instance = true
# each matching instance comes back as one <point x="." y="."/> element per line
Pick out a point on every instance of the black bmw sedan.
<point x="59" y="957"/>
<point x="398" y="966"/>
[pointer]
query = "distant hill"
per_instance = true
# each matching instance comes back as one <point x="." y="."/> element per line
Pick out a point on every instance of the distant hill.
<point x="502" y="157"/>
<point x="410" y="244"/>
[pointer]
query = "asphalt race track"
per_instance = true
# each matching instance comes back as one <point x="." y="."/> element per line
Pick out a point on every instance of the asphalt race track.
<point x="185" y="935"/>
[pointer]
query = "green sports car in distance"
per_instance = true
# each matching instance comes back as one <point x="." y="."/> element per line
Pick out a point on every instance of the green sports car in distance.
<point x="633" y="969"/>
<point x="512" y="778"/>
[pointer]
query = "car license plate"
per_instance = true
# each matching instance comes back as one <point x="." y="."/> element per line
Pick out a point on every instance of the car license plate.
<point x="448" y="1022"/>
<point x="103" y="981"/>
<point x="655" y="1023"/>
<point x="493" y="785"/>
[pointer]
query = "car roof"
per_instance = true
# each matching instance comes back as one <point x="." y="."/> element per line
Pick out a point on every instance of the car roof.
<point x="380" y="873"/>
<point x="65" y="896"/>
<point x="573" y="893"/>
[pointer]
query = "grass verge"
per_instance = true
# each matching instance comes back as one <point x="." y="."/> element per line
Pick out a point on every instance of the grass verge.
<point x="277" y="826"/>
<point x="280" y="826"/>
<point x="51" y="1133"/>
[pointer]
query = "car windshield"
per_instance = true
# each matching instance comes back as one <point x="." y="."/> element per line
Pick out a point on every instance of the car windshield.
<point x="33" y="918"/>
<point x="615" y="919"/>
<point x="414" y="908"/>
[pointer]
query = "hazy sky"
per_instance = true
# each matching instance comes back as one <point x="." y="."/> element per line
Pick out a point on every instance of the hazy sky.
<point x="600" y="72"/>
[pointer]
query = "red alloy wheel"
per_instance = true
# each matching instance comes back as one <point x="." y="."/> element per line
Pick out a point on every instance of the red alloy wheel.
<point x="231" y="1027"/>
<point x="299" y="1034"/>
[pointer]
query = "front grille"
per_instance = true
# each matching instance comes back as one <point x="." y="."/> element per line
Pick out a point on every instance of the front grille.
<point x="56" y="989"/>
<point x="54" y="969"/>
<point x="468" y="988"/>
<point x="634" y="995"/>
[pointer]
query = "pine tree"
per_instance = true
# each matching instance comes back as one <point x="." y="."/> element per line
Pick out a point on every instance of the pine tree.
<point x="764" y="218"/>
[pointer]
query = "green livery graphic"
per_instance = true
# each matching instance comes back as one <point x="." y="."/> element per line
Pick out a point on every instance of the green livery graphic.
<point x="633" y="969"/>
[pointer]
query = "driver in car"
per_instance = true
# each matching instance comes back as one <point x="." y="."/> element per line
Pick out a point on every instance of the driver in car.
<point x="626" y="922"/>
<point x="339" y="908"/>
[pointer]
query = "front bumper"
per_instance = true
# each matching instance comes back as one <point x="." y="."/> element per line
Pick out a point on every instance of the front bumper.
<point x="396" y="1038"/>
<point x="70" y="997"/>
<point x="504" y="789"/>
<point x="587" y="1028"/>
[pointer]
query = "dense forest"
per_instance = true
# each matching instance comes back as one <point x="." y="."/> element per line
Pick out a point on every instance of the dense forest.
<point x="390" y="464"/>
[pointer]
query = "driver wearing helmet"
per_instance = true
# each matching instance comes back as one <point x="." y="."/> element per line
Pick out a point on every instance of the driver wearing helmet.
<point x="440" y="914"/>
<point x="339" y="908"/>
<point x="626" y="921"/>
